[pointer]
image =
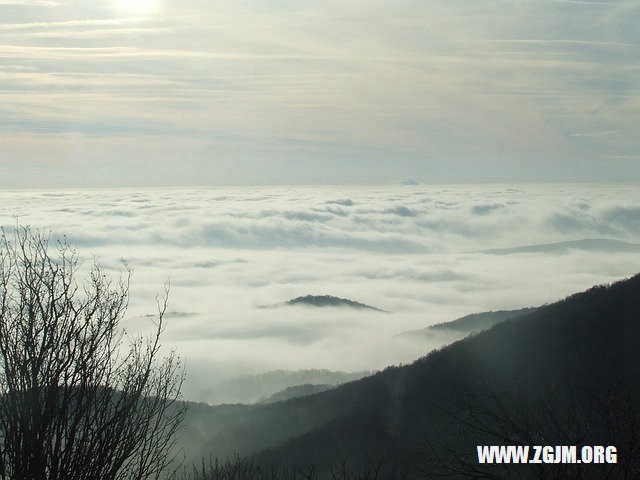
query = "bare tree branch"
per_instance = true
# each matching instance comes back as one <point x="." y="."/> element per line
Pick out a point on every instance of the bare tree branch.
<point x="75" y="400"/>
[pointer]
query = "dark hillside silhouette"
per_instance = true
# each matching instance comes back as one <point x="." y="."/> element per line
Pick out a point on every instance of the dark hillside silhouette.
<point x="253" y="388"/>
<point x="296" y="392"/>
<point x="476" y="322"/>
<point x="568" y="371"/>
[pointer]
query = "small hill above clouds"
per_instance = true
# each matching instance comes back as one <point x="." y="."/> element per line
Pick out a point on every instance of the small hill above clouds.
<point x="580" y="348"/>
<point x="409" y="181"/>
<point x="580" y="355"/>
<point x="323" y="301"/>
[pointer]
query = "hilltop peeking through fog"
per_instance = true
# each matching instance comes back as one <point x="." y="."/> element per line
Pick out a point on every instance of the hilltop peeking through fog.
<point x="423" y="254"/>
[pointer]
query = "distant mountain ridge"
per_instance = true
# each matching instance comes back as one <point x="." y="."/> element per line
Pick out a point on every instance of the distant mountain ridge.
<point x="323" y="301"/>
<point x="474" y="322"/>
<point x="296" y="391"/>
<point x="588" y="244"/>
<point x="532" y="368"/>
<point x="481" y="321"/>
<point x="253" y="388"/>
<point x="590" y="339"/>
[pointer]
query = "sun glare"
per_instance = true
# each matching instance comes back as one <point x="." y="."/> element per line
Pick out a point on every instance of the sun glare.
<point x="137" y="7"/>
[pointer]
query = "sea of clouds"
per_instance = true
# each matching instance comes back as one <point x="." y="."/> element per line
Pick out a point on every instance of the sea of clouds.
<point x="424" y="254"/>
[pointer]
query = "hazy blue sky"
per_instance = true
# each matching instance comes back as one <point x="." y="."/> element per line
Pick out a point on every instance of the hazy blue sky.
<point x="152" y="92"/>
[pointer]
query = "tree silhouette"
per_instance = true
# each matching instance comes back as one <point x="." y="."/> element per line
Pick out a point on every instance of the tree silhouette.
<point x="77" y="400"/>
<point x="536" y="413"/>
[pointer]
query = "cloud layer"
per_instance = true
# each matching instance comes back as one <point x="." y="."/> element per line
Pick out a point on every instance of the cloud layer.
<point x="100" y="94"/>
<point x="424" y="254"/>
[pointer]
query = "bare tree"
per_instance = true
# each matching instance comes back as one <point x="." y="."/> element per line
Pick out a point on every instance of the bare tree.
<point x="79" y="399"/>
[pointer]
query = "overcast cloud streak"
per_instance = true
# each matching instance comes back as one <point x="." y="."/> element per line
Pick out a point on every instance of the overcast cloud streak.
<point x="318" y="93"/>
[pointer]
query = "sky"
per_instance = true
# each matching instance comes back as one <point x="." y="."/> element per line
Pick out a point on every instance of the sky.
<point x="154" y="93"/>
<point x="424" y="254"/>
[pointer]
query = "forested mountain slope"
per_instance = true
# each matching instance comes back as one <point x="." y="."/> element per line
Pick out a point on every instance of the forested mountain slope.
<point x="560" y="375"/>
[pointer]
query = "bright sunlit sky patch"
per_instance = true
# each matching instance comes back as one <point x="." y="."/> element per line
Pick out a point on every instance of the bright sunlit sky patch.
<point x="155" y="93"/>
<point x="137" y="7"/>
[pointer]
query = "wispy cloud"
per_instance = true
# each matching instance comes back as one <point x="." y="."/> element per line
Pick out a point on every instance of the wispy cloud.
<point x="585" y="2"/>
<point x="35" y="3"/>
<point x="438" y="93"/>
<point x="607" y="133"/>
<point x="622" y="157"/>
<point x="73" y="23"/>
<point x="100" y="32"/>
<point x="531" y="41"/>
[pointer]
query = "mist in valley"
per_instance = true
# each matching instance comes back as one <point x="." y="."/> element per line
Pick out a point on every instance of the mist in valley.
<point x="423" y="255"/>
